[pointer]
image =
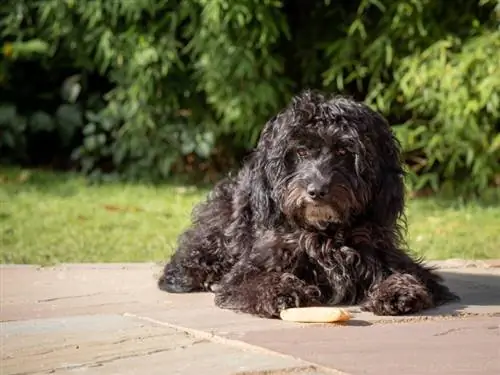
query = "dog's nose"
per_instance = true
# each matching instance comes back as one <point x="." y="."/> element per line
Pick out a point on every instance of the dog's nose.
<point x="317" y="191"/>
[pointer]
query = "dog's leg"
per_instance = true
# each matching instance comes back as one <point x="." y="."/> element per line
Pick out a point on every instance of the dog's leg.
<point x="271" y="276"/>
<point x="191" y="273"/>
<point x="201" y="258"/>
<point x="179" y="278"/>
<point x="400" y="293"/>
<point x="266" y="294"/>
<point x="406" y="293"/>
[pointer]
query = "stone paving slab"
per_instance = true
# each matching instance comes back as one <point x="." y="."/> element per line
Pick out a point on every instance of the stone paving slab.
<point x="30" y="292"/>
<point x="114" y="344"/>
<point x="458" y="338"/>
<point x="468" y="346"/>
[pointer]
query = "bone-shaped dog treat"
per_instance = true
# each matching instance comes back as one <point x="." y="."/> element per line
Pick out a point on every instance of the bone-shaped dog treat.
<point x="315" y="314"/>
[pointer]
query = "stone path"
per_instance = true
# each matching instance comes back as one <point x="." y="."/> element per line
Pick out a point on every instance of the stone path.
<point x="111" y="319"/>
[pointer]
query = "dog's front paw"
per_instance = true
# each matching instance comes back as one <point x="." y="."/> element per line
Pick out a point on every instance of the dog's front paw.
<point x="285" y="302"/>
<point x="176" y="280"/>
<point x="300" y="297"/>
<point x="267" y="295"/>
<point x="266" y="308"/>
<point x="399" y="294"/>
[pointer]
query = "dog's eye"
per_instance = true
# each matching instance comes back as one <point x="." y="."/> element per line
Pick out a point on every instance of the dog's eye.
<point x="340" y="151"/>
<point x="302" y="152"/>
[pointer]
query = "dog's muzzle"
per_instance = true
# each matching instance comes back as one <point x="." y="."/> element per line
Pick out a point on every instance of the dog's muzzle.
<point x="320" y="215"/>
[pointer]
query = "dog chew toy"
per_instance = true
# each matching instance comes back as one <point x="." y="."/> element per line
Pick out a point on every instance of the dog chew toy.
<point x="315" y="314"/>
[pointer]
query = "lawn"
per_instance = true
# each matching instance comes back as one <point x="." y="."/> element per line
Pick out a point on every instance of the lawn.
<point x="48" y="218"/>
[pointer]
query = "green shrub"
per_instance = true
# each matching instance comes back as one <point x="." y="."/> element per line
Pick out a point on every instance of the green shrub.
<point x="144" y="85"/>
<point x="457" y="84"/>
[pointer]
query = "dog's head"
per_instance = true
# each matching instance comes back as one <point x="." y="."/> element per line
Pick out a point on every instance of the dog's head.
<point x="327" y="160"/>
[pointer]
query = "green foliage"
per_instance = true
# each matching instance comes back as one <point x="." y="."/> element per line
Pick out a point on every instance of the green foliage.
<point x="142" y="84"/>
<point x="433" y="70"/>
<point x="231" y="44"/>
<point x="12" y="128"/>
<point x="461" y="142"/>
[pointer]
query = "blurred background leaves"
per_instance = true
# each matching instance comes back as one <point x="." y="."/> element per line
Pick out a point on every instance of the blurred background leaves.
<point x="145" y="89"/>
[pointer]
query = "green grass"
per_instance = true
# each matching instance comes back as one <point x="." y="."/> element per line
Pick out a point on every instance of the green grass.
<point x="444" y="230"/>
<point x="48" y="218"/>
<point x="60" y="218"/>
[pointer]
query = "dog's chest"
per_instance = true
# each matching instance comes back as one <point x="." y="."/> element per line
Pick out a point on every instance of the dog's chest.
<point x="338" y="265"/>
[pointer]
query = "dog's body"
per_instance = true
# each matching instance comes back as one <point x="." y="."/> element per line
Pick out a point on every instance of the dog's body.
<point x="310" y="219"/>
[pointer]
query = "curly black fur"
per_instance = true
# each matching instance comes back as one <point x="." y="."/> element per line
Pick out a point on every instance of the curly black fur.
<point x="315" y="216"/>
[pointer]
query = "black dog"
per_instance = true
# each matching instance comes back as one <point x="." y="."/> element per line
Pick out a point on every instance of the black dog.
<point x="313" y="217"/>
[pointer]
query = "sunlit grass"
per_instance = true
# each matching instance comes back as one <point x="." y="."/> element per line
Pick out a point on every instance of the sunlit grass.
<point x="46" y="218"/>
<point x="443" y="230"/>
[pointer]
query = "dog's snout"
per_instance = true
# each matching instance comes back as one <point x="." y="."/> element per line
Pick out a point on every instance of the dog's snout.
<point x="317" y="190"/>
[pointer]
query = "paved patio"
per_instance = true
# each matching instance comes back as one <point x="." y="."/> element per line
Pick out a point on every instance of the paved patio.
<point x="111" y="319"/>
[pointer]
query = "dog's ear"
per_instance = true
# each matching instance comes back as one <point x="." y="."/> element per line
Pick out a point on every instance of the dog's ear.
<point x="389" y="197"/>
<point x="265" y="168"/>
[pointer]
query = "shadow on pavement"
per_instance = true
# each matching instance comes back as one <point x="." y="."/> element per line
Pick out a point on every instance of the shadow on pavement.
<point x="476" y="289"/>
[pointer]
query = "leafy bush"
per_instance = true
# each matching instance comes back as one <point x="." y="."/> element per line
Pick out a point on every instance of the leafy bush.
<point x="458" y="148"/>
<point x="145" y="88"/>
